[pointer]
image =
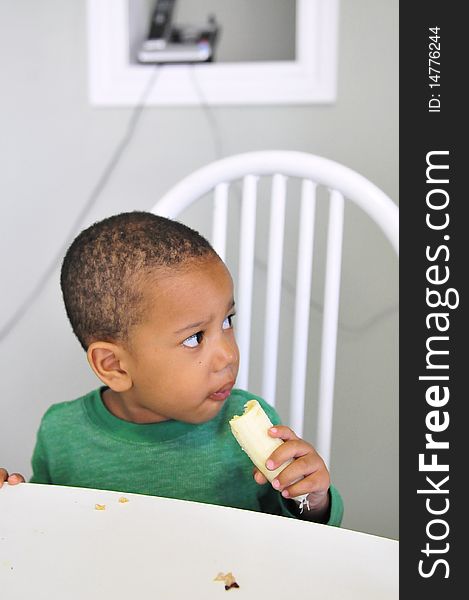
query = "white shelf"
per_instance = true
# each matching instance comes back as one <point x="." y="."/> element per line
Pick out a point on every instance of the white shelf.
<point x="311" y="78"/>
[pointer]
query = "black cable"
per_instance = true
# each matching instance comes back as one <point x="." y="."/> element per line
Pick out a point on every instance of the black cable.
<point x="13" y="321"/>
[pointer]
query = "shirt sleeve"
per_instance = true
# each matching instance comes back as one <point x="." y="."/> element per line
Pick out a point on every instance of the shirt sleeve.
<point x="337" y="508"/>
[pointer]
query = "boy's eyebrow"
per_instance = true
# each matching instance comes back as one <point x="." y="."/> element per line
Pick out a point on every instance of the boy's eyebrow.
<point x="231" y="306"/>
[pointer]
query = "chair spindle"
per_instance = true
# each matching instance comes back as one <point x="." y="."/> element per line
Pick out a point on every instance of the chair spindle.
<point x="274" y="287"/>
<point x="302" y="305"/>
<point x="330" y="323"/>
<point x="246" y="270"/>
<point x="220" y="219"/>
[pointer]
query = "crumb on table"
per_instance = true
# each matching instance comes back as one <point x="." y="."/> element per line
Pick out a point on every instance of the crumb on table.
<point x="228" y="579"/>
<point x="100" y="507"/>
<point x="123" y="500"/>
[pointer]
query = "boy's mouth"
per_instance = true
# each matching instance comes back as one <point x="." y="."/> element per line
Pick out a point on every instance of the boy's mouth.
<point x="222" y="393"/>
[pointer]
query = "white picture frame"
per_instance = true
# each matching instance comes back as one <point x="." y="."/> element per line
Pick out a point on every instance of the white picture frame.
<point x="310" y="78"/>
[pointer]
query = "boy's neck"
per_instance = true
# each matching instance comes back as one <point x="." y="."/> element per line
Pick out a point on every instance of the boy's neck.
<point x="117" y="404"/>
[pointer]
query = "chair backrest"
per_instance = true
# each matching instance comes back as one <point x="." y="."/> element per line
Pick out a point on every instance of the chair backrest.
<point x="341" y="183"/>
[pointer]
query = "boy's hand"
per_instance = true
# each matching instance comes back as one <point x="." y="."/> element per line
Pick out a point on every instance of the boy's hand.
<point x="307" y="474"/>
<point x="12" y="479"/>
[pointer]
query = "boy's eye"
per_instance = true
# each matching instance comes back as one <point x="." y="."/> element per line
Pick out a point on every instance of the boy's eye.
<point x="194" y="340"/>
<point x="228" y="322"/>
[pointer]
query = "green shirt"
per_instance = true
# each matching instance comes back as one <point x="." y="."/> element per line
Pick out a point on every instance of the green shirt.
<point x="81" y="444"/>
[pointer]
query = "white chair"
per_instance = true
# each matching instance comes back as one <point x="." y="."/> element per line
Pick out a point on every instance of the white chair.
<point x="342" y="183"/>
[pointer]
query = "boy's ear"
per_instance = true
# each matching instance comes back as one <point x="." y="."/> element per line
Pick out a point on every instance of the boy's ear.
<point x="106" y="360"/>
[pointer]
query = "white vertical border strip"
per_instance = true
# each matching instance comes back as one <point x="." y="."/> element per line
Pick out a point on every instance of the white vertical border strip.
<point x="302" y="305"/>
<point x="245" y="277"/>
<point x="274" y="287"/>
<point x="311" y="77"/>
<point x="330" y="324"/>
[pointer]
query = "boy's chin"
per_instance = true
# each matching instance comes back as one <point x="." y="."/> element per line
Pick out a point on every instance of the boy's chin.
<point x="210" y="413"/>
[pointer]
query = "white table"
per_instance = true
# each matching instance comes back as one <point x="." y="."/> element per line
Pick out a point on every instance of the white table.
<point x="55" y="544"/>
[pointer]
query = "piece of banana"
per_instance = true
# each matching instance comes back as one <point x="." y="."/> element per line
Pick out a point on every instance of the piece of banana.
<point x="251" y="432"/>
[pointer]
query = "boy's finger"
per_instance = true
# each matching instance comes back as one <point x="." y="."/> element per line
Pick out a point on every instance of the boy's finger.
<point x="3" y="476"/>
<point x="317" y="496"/>
<point x="15" y="478"/>
<point x="291" y="449"/>
<point x="283" y="432"/>
<point x="259" y="477"/>
<point x="301" y="477"/>
<point x="293" y="473"/>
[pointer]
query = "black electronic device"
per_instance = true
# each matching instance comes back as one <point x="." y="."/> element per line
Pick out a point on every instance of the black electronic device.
<point x="168" y="43"/>
<point x="160" y="28"/>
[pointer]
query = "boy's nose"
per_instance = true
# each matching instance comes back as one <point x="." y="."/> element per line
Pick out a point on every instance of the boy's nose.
<point x="226" y="354"/>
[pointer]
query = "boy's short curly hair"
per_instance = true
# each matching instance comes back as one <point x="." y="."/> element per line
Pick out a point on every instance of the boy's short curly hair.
<point x="104" y="267"/>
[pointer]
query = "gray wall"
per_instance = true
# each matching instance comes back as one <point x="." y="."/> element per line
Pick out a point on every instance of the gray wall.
<point x="53" y="149"/>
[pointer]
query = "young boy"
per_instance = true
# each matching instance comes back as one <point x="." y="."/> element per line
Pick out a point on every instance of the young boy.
<point x="152" y="304"/>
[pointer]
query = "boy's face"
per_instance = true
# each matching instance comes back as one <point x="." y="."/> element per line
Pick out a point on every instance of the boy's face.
<point x="183" y="358"/>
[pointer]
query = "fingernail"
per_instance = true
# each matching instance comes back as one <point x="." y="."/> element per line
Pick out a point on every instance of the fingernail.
<point x="273" y="429"/>
<point x="276" y="484"/>
<point x="269" y="464"/>
<point x="285" y="494"/>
